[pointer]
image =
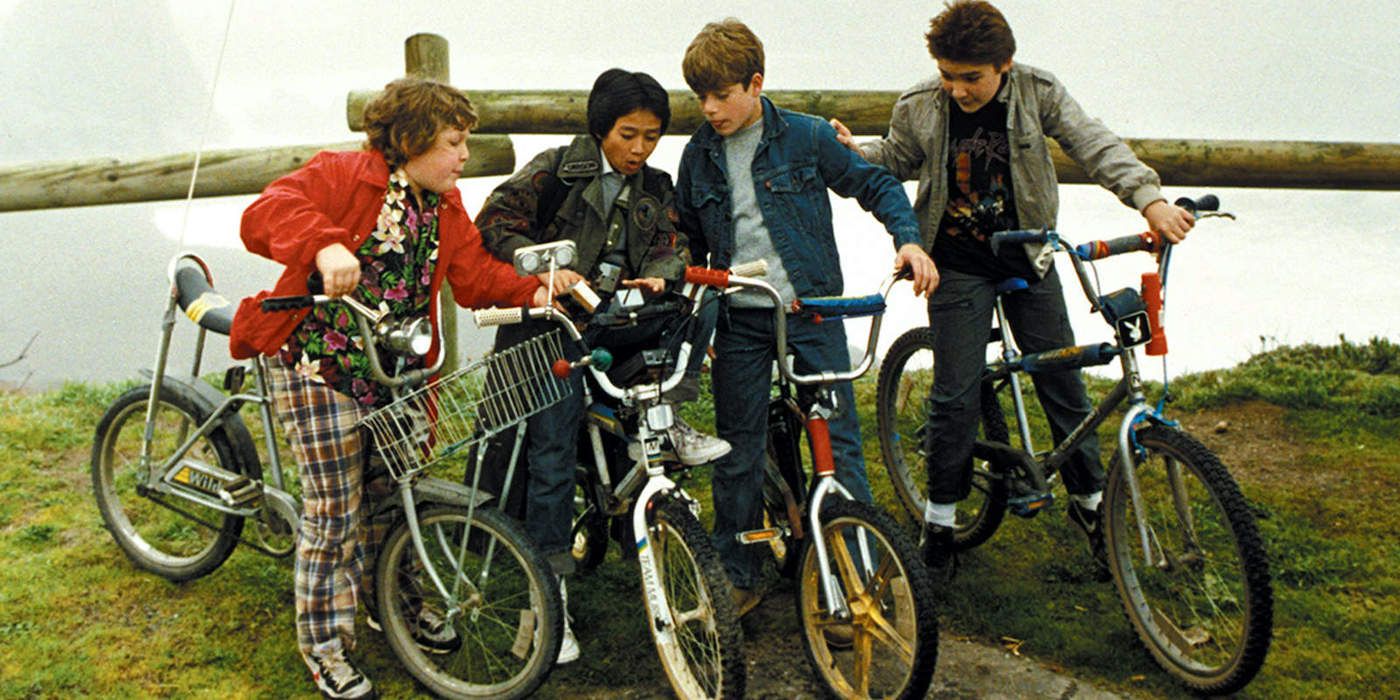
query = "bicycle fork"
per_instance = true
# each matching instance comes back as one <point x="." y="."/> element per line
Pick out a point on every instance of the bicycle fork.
<point x="824" y="467"/>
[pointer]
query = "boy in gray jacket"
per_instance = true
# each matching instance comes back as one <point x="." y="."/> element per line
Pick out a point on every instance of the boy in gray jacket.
<point x="974" y="136"/>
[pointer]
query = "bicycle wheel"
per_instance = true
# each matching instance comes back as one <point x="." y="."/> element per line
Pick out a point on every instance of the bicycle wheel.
<point x="589" y="534"/>
<point x="703" y="654"/>
<point x="1204" y="606"/>
<point x="508" y="615"/>
<point x="889" y="646"/>
<point x="902" y="393"/>
<point x="177" y="545"/>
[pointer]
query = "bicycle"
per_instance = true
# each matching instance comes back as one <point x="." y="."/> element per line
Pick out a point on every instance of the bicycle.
<point x="864" y="597"/>
<point x="176" y="474"/>
<point x="1184" y="552"/>
<point x="688" y="596"/>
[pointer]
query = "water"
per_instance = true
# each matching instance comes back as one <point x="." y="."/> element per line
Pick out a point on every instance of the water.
<point x="1297" y="266"/>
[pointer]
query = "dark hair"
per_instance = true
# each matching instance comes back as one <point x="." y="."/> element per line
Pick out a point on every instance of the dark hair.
<point x="617" y="93"/>
<point x="404" y="120"/>
<point x="971" y="31"/>
<point x="723" y="53"/>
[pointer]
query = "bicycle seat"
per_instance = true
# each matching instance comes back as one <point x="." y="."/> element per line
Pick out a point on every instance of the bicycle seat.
<point x="200" y="302"/>
<point x="1012" y="284"/>
<point x="645" y="366"/>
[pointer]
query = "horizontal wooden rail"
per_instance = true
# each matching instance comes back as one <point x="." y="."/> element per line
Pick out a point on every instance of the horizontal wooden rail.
<point x="221" y="173"/>
<point x="1181" y="162"/>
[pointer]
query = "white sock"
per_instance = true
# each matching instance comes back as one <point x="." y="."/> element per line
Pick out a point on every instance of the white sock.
<point x="1089" y="501"/>
<point x="942" y="514"/>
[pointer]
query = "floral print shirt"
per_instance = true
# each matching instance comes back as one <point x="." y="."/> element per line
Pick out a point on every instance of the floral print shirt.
<point x="396" y="274"/>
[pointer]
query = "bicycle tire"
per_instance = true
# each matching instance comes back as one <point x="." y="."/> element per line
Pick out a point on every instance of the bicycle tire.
<point x="588" y="535"/>
<point x="1220" y="568"/>
<point x="706" y="659"/>
<point x="517" y="606"/>
<point x="889" y="648"/>
<point x="154" y="537"/>
<point x="901" y="410"/>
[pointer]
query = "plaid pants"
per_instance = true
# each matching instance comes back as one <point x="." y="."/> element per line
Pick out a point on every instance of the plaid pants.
<point x="319" y="424"/>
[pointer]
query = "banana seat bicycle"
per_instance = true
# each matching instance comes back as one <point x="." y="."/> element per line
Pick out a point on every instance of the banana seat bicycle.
<point x="865" y="601"/>
<point x="177" y="473"/>
<point x="1184" y="552"/>
<point x="688" y="597"/>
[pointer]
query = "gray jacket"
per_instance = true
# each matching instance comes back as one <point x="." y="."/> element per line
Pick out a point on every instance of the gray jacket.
<point x="1037" y="106"/>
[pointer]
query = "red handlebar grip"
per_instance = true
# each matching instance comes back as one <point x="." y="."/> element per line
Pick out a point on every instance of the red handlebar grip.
<point x="1152" y="296"/>
<point x="707" y="276"/>
<point x="561" y="368"/>
<point x="820" y="433"/>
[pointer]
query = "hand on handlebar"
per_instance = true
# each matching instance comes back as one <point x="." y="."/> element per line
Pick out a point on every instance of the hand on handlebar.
<point x="339" y="268"/>
<point x="1168" y="220"/>
<point x="654" y="285"/>
<point x="920" y="265"/>
<point x="563" y="279"/>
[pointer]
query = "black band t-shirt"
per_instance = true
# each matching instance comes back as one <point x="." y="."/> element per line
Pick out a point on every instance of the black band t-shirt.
<point x="980" y="200"/>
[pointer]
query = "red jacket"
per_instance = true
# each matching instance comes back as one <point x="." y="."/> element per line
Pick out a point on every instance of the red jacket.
<point x="336" y="198"/>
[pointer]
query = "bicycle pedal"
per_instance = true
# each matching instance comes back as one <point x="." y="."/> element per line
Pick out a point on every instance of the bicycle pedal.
<point x="766" y="534"/>
<point x="235" y="490"/>
<point x="1030" y="505"/>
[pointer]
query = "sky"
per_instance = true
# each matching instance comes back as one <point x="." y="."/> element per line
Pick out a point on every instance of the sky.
<point x="130" y="78"/>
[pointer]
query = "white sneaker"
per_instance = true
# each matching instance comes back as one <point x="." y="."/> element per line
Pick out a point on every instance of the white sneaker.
<point x="568" y="648"/>
<point x="336" y="677"/>
<point x="694" y="447"/>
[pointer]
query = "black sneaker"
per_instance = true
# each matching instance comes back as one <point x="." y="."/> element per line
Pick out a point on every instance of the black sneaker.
<point x="1091" y="522"/>
<point x="432" y="634"/>
<point x="336" y="677"/>
<point x="936" y="546"/>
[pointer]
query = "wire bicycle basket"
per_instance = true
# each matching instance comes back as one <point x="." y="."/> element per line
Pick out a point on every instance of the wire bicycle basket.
<point x="456" y="411"/>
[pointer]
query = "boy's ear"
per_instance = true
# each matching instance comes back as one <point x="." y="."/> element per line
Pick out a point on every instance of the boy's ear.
<point x="756" y="83"/>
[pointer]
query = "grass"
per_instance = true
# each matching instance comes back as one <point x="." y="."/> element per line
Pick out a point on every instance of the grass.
<point x="1312" y="434"/>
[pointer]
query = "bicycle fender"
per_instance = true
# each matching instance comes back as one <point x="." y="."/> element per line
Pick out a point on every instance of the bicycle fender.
<point x="208" y="399"/>
<point x="432" y="490"/>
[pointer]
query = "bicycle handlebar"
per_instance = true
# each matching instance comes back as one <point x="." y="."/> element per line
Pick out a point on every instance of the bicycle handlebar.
<point x="373" y="328"/>
<point x="780" y="332"/>
<point x="598" y="362"/>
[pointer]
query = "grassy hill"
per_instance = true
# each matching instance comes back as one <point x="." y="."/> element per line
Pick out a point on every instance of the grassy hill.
<point x="1311" y="433"/>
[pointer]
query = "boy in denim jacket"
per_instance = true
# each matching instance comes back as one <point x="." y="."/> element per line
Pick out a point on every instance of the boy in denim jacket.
<point x="753" y="185"/>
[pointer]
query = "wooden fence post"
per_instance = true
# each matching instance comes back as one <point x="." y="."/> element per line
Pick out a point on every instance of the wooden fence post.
<point x="426" y="56"/>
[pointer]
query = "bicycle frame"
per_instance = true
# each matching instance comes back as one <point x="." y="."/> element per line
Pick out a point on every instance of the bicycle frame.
<point x="1129" y="388"/>
<point x="817" y="427"/>
<point x="657" y="416"/>
<point x="283" y="505"/>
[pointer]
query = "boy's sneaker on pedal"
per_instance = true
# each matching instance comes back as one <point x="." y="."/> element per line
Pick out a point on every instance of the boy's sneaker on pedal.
<point x="936" y="546"/>
<point x="694" y="447"/>
<point x="336" y="677"/>
<point x="1091" y="522"/>
<point x="432" y="633"/>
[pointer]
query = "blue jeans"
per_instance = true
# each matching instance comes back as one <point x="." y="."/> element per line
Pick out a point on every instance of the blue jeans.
<point x="742" y="375"/>
<point x="960" y="314"/>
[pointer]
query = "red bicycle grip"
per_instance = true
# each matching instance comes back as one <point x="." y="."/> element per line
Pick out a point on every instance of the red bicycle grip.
<point x="820" y="432"/>
<point x="707" y="276"/>
<point x="1152" y="297"/>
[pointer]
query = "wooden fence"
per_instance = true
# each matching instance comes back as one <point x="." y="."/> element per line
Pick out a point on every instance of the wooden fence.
<point x="1181" y="162"/>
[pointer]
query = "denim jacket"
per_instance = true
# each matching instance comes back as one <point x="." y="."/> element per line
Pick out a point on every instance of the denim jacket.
<point x="797" y="160"/>
<point x="1037" y="106"/>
